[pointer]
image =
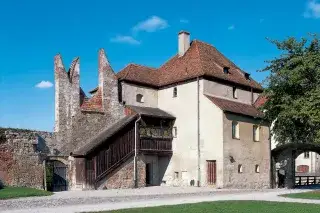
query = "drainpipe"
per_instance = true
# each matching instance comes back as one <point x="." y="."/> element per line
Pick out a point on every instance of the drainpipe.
<point x="198" y="130"/>
<point x="135" y="151"/>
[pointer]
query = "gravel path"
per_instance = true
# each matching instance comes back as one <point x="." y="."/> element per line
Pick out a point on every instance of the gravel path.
<point x="78" y="201"/>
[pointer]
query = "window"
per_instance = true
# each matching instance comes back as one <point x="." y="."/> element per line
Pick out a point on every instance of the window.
<point x="306" y="155"/>
<point x="235" y="130"/>
<point x="226" y="70"/>
<point x="175" y="92"/>
<point x="256" y="133"/>
<point x="234" y="92"/>
<point x="240" y="170"/>
<point x="139" y="98"/>
<point x="176" y="175"/>
<point x="257" y="169"/>
<point x="174" y="132"/>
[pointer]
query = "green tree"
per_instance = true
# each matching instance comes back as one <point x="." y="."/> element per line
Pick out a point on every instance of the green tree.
<point x="293" y="91"/>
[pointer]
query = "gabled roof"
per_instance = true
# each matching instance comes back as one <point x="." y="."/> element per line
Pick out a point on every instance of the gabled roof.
<point x="94" y="103"/>
<point x="236" y="107"/>
<point x="200" y="60"/>
<point x="139" y="74"/>
<point x="261" y="100"/>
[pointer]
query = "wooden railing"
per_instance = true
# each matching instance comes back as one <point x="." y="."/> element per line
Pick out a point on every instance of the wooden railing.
<point x="155" y="132"/>
<point x="156" y="144"/>
<point x="307" y="180"/>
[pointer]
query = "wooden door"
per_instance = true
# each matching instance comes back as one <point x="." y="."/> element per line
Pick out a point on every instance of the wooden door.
<point x="211" y="172"/>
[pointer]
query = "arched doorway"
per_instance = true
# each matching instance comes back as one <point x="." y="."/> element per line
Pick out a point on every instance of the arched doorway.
<point x="56" y="176"/>
<point x="284" y="168"/>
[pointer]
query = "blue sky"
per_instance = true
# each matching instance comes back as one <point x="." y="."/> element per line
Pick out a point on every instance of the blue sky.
<point x="143" y="32"/>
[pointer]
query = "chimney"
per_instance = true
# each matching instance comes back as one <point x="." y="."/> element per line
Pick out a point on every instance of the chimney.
<point x="183" y="42"/>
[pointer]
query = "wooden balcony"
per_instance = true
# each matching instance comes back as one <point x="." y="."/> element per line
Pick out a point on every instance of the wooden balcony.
<point x="156" y="140"/>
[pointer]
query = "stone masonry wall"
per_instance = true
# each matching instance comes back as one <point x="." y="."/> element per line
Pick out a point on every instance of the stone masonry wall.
<point x="246" y="152"/>
<point x="74" y="124"/>
<point x="123" y="176"/>
<point x="22" y="153"/>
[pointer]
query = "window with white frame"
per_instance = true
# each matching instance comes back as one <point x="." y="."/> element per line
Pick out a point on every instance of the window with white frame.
<point x="256" y="133"/>
<point x="175" y="92"/>
<point x="306" y="154"/>
<point x="139" y="98"/>
<point x="174" y="131"/>
<point x="235" y="130"/>
<point x="235" y="92"/>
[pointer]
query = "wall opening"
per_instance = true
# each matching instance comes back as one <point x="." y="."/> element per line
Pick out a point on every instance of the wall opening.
<point x="139" y="98"/>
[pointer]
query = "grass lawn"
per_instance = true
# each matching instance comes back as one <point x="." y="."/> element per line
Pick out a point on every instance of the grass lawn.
<point x="231" y="207"/>
<point x="315" y="195"/>
<point x="16" y="192"/>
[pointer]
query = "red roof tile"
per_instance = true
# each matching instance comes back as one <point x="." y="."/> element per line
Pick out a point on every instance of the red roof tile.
<point x="235" y="107"/>
<point x="140" y="74"/>
<point x="261" y="100"/>
<point x="201" y="59"/>
<point x="94" y="103"/>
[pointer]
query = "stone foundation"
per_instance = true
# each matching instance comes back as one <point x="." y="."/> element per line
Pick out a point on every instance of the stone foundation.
<point x="123" y="177"/>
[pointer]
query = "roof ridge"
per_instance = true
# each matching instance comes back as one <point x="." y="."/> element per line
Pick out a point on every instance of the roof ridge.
<point x="198" y="51"/>
<point x="140" y="65"/>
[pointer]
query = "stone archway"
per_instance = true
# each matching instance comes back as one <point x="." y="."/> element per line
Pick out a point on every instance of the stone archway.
<point x="283" y="159"/>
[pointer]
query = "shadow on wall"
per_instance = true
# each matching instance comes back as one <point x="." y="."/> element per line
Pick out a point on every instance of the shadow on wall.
<point x="163" y="165"/>
<point x="42" y="145"/>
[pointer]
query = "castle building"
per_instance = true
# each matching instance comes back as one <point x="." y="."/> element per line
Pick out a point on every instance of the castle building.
<point x="191" y="122"/>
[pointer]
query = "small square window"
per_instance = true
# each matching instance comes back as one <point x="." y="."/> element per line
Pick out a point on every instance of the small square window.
<point x="226" y="70"/>
<point x="235" y="130"/>
<point x="235" y="92"/>
<point x="139" y="98"/>
<point x="256" y="133"/>
<point x="306" y="155"/>
<point x="175" y="92"/>
<point x="257" y="169"/>
<point x="240" y="169"/>
<point x="174" y="131"/>
<point x="176" y="175"/>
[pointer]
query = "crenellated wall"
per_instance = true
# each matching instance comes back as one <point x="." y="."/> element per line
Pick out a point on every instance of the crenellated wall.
<point x="79" y="118"/>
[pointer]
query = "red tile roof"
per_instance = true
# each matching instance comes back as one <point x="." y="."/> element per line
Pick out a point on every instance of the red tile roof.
<point x="94" y="103"/>
<point x="201" y="59"/>
<point x="261" y="100"/>
<point x="140" y="74"/>
<point x="236" y="107"/>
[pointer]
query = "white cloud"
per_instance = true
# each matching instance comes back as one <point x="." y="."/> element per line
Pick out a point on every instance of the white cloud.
<point x="44" y="84"/>
<point x="152" y="24"/>
<point x="231" y="27"/>
<point x="312" y="9"/>
<point x="125" y="39"/>
<point x="185" y="21"/>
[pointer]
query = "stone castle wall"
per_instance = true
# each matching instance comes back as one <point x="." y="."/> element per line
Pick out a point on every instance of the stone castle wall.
<point x="22" y="153"/>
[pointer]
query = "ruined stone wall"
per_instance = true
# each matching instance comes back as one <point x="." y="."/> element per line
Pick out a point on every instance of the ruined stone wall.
<point x="22" y="153"/>
<point x="75" y="124"/>
<point x="247" y="153"/>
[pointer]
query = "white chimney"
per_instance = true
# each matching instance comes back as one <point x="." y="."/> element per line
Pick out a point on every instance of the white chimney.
<point x="184" y="42"/>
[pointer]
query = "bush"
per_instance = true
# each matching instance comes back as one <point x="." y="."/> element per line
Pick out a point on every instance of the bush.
<point x="1" y="184"/>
